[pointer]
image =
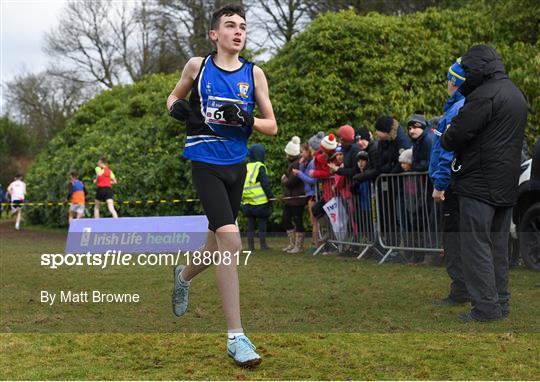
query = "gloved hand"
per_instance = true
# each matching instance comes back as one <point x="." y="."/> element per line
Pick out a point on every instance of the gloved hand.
<point x="180" y="110"/>
<point x="234" y="113"/>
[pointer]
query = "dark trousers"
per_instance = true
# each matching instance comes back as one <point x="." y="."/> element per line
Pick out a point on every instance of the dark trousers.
<point x="293" y="218"/>
<point x="257" y="216"/>
<point x="452" y="247"/>
<point x="484" y="248"/>
<point x="251" y="223"/>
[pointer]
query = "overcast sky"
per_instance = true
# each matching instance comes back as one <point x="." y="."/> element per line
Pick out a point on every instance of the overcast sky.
<point x="23" y="23"/>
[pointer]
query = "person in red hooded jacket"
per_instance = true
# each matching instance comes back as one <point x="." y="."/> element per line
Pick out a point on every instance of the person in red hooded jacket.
<point x="321" y="160"/>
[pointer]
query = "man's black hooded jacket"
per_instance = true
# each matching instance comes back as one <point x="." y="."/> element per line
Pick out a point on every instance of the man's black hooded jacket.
<point x="487" y="133"/>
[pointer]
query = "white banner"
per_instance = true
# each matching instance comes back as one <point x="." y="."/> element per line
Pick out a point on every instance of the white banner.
<point x="337" y="213"/>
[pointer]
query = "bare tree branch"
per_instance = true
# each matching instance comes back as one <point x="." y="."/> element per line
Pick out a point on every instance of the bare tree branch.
<point x="44" y="102"/>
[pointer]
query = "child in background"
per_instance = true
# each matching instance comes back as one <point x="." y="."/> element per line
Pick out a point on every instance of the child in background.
<point x="405" y="160"/>
<point x="256" y="196"/>
<point x="363" y="192"/>
<point x="410" y="207"/>
<point x="422" y="139"/>
<point x="76" y="195"/>
<point x="327" y="149"/>
<point x="293" y="208"/>
<point x="306" y="165"/>
<point x="338" y="156"/>
<point x="336" y="162"/>
<point x="362" y="188"/>
<point x="322" y="170"/>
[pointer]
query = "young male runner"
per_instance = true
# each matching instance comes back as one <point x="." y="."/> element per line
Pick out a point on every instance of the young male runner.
<point x="76" y="196"/>
<point x="17" y="192"/>
<point x="104" y="180"/>
<point x="219" y="119"/>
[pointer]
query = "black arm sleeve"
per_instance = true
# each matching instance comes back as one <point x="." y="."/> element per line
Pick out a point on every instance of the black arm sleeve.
<point x="347" y="171"/>
<point x="70" y="191"/>
<point x="265" y="184"/>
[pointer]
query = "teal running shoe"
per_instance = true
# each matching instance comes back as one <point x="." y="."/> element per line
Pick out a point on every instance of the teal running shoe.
<point x="180" y="292"/>
<point x="242" y="351"/>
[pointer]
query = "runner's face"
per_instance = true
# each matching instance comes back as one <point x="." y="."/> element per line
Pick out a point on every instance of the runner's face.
<point x="231" y="34"/>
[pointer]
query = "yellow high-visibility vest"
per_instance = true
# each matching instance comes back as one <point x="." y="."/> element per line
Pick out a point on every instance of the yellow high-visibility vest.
<point x="253" y="191"/>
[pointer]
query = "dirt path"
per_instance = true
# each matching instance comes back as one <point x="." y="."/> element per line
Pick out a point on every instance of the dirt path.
<point x="32" y="234"/>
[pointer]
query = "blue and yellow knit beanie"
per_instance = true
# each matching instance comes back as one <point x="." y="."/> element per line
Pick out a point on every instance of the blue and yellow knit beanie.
<point x="456" y="73"/>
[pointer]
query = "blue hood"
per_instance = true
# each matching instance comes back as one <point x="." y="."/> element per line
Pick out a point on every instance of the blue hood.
<point x="256" y="153"/>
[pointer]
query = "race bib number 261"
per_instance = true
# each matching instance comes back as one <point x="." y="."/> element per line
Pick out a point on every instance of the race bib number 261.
<point x="214" y="116"/>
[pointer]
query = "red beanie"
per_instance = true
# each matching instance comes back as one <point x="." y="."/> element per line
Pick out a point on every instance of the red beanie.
<point x="346" y="133"/>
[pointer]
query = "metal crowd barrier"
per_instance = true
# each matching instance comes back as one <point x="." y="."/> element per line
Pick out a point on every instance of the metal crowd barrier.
<point x="353" y="209"/>
<point x="396" y="213"/>
<point x="408" y="219"/>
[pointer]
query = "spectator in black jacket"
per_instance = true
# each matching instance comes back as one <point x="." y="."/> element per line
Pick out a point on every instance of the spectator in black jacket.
<point x="392" y="141"/>
<point x="365" y="143"/>
<point x="486" y="136"/>
<point x="422" y="139"/>
<point x="350" y="149"/>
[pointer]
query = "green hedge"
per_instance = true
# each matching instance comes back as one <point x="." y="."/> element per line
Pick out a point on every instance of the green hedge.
<point x="346" y="69"/>
<point x="342" y="69"/>
<point x="130" y="126"/>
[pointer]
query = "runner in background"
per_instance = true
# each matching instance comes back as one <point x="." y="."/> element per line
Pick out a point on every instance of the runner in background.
<point x="104" y="180"/>
<point x="2" y="200"/>
<point x="76" y="196"/>
<point x="17" y="192"/>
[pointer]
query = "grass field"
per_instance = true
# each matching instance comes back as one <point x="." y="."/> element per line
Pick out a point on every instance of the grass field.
<point x="323" y="317"/>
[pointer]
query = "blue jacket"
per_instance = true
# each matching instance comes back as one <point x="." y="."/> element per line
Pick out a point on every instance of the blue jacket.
<point x="309" y="182"/>
<point x="364" y="195"/>
<point x="441" y="160"/>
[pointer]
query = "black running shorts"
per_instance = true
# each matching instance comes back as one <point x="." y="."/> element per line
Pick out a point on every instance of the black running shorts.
<point x="104" y="193"/>
<point x="219" y="188"/>
<point x="16" y="204"/>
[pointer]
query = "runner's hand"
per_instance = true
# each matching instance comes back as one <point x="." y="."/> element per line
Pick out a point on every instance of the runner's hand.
<point x="180" y="110"/>
<point x="234" y="113"/>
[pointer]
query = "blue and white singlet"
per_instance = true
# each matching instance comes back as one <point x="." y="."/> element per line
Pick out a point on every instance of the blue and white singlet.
<point x="210" y="138"/>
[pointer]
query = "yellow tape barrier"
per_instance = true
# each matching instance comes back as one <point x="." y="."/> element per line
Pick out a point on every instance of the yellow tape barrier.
<point x="135" y="202"/>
